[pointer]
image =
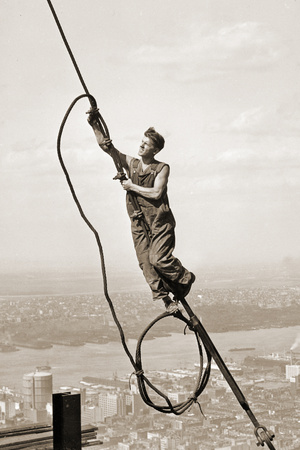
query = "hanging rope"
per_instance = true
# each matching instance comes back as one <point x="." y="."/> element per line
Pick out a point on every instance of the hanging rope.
<point x="262" y="434"/>
<point x="142" y="380"/>
<point x="68" y="48"/>
<point x="137" y="364"/>
<point x="89" y="224"/>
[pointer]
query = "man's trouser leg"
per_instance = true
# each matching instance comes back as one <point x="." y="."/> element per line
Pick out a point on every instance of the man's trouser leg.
<point x="157" y="286"/>
<point x="161" y="256"/>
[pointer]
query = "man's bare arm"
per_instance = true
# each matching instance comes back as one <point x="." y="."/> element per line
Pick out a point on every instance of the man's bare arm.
<point x="106" y="143"/>
<point x="155" y="192"/>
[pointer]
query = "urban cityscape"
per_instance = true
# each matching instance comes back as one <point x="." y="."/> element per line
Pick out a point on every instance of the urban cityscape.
<point x="111" y="403"/>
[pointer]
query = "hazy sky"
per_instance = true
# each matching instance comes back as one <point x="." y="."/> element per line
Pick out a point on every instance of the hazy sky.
<point x="219" y="79"/>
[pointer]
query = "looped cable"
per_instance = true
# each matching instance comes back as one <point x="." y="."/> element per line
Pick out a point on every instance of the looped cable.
<point x="201" y="382"/>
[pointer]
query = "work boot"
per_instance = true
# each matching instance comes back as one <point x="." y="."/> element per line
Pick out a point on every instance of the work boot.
<point x="171" y="306"/>
<point x="184" y="289"/>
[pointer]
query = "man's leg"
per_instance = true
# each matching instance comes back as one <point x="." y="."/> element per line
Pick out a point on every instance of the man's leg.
<point x="157" y="285"/>
<point x="161" y="257"/>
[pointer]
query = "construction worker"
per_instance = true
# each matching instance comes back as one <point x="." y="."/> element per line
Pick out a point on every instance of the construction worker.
<point x="147" y="181"/>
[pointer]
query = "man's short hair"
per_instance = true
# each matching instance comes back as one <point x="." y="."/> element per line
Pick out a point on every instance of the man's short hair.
<point x="155" y="137"/>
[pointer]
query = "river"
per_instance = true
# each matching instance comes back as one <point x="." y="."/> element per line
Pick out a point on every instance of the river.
<point x="70" y="364"/>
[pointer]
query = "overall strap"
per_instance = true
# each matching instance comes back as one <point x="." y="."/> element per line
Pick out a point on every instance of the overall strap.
<point x="133" y="170"/>
<point x="157" y="167"/>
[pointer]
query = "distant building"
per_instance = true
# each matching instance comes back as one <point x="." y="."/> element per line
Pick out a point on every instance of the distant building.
<point x="292" y="371"/>
<point x="91" y="415"/>
<point x="109" y="403"/>
<point x="177" y="397"/>
<point x="118" y="404"/>
<point x="133" y="404"/>
<point x="37" y="391"/>
<point x="7" y="409"/>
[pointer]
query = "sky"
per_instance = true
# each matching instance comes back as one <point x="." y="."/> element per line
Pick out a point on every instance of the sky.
<point x="218" y="79"/>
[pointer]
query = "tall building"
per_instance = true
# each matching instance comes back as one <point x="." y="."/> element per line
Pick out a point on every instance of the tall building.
<point x="292" y="371"/>
<point x="37" y="391"/>
<point x="7" y="409"/>
<point x="133" y="403"/>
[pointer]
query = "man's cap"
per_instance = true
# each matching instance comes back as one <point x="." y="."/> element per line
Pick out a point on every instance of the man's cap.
<point x="157" y="138"/>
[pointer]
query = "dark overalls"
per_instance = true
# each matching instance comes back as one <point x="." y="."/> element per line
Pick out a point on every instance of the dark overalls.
<point x="155" y="259"/>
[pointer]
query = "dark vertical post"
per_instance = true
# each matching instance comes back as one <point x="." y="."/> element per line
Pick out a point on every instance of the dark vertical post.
<point x="66" y="421"/>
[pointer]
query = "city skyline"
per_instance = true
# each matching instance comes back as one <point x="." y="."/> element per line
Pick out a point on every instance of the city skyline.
<point x="107" y="402"/>
<point x="219" y="80"/>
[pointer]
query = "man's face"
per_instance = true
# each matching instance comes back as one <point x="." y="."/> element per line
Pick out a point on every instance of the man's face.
<point x="147" y="148"/>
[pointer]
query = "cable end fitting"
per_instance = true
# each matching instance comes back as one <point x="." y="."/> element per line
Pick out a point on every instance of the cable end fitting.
<point x="93" y="110"/>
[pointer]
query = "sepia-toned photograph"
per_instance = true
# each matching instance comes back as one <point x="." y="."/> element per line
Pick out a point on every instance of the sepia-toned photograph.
<point x="149" y="232"/>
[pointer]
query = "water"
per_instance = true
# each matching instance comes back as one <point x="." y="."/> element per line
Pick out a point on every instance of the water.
<point x="70" y="364"/>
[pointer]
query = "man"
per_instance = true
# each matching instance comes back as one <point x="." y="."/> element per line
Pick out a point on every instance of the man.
<point x="148" y="179"/>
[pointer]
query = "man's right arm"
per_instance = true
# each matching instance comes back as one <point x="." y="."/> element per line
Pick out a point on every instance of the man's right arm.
<point x="106" y="143"/>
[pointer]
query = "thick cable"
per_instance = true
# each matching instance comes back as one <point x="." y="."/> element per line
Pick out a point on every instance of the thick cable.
<point x="68" y="47"/>
<point x="143" y="381"/>
<point x="267" y="437"/>
<point x="89" y="224"/>
<point x="92" y="100"/>
<point x="137" y="364"/>
<point x="104" y="129"/>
